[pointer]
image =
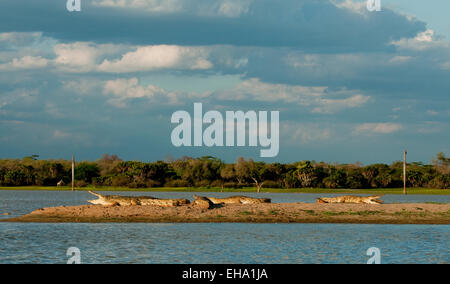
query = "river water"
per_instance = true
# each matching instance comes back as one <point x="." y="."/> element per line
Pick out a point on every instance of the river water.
<point x="213" y="243"/>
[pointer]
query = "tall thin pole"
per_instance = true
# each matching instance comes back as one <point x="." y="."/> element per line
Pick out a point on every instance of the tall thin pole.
<point x="73" y="173"/>
<point x="404" y="172"/>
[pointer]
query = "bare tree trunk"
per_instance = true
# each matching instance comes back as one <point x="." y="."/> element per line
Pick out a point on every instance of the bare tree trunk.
<point x="258" y="185"/>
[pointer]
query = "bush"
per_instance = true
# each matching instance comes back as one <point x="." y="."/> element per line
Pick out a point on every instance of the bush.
<point x="86" y="171"/>
<point x="202" y="183"/>
<point x="120" y="181"/>
<point x="216" y="183"/>
<point x="152" y="183"/>
<point x="177" y="183"/>
<point x="440" y="181"/>
<point x="80" y="183"/>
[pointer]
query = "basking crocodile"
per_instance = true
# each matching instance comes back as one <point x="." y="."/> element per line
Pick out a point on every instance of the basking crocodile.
<point x="351" y="199"/>
<point x="239" y="200"/>
<point x="114" y="200"/>
<point x="202" y="202"/>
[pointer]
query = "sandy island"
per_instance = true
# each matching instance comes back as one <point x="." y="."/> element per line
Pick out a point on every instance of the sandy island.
<point x="411" y="213"/>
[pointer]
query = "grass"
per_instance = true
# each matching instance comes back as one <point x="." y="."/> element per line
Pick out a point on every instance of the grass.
<point x="377" y="191"/>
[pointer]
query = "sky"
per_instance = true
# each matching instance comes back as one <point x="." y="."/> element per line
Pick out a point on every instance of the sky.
<point x="349" y="84"/>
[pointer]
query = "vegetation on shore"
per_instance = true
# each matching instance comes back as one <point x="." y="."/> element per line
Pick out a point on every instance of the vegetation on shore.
<point x="411" y="191"/>
<point x="211" y="174"/>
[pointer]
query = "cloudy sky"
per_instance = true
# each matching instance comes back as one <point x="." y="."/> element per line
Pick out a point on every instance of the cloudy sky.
<point x="350" y="85"/>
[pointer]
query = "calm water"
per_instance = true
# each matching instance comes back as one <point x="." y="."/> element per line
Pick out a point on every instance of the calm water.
<point x="214" y="243"/>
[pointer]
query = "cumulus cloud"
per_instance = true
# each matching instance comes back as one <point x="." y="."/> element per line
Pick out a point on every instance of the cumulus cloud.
<point x="319" y="98"/>
<point x="423" y="41"/>
<point x="350" y="5"/>
<point x="149" y="58"/>
<point x="226" y="8"/>
<point x="81" y="57"/>
<point x="19" y="38"/>
<point x="399" y="59"/>
<point x="377" y="128"/>
<point x="233" y="8"/>
<point x="124" y="90"/>
<point x="334" y="105"/>
<point x="305" y="133"/>
<point x="163" y="6"/>
<point x="77" y="57"/>
<point x="308" y="24"/>
<point x="82" y="86"/>
<point x="26" y="62"/>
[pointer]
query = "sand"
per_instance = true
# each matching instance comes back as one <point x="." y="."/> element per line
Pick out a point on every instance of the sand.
<point x="411" y="213"/>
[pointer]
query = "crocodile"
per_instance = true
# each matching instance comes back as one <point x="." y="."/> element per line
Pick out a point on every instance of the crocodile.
<point x="239" y="200"/>
<point x="351" y="199"/>
<point x="118" y="200"/>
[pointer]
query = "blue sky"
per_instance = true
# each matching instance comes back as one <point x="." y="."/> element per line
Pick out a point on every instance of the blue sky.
<point x="351" y="85"/>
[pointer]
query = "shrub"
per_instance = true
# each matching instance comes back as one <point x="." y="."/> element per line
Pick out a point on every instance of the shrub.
<point x="177" y="183"/>
<point x="152" y="183"/>
<point x="80" y="183"/>
<point x="202" y="183"/>
<point x="120" y="181"/>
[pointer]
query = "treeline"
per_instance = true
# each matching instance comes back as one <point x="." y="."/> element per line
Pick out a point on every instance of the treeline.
<point x="212" y="172"/>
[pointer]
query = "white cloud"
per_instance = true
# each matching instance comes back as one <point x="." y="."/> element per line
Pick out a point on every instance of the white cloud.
<point x="149" y="58"/>
<point x="377" y="128"/>
<point x="305" y="133"/>
<point x="26" y="62"/>
<point x="123" y="90"/>
<point x="426" y="36"/>
<point x="225" y="8"/>
<point x="19" y="38"/>
<point x="81" y="57"/>
<point x="234" y="8"/>
<point x="400" y="59"/>
<point x="82" y="86"/>
<point x="356" y="7"/>
<point x="334" y="105"/>
<point x="76" y="57"/>
<point x="163" y="6"/>
<point x="315" y="97"/>
<point x="423" y="41"/>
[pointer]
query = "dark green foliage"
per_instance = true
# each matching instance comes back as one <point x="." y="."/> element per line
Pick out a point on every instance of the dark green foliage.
<point x="214" y="173"/>
<point x="86" y="172"/>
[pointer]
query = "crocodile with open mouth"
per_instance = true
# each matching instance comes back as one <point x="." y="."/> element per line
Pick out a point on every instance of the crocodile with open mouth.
<point x="117" y="200"/>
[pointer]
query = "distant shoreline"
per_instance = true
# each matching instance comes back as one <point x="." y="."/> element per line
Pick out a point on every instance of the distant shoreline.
<point x="412" y="213"/>
<point x="411" y="191"/>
